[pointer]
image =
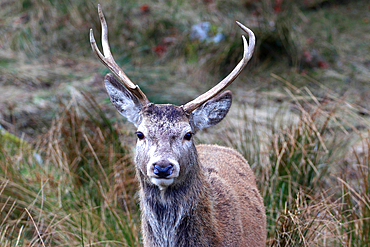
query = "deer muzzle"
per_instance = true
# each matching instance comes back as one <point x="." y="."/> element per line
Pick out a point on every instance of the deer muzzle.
<point x="163" y="172"/>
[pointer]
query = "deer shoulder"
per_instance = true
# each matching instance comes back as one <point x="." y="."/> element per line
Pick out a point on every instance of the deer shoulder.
<point x="235" y="194"/>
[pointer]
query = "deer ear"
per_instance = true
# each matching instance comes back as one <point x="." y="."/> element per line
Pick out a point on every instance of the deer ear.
<point x="212" y="111"/>
<point x="124" y="101"/>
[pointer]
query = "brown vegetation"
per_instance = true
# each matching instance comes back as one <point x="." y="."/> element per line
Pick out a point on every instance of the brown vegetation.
<point x="300" y="117"/>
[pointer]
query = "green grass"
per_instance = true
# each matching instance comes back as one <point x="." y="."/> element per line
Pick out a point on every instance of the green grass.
<point x="73" y="196"/>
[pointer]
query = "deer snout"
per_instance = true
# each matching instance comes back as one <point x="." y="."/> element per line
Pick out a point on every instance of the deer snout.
<point x="163" y="169"/>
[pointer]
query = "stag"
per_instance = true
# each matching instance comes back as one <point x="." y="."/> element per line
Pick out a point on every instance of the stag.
<point x="203" y="195"/>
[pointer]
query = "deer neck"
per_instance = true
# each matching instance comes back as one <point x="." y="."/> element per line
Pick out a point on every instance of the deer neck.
<point x="178" y="216"/>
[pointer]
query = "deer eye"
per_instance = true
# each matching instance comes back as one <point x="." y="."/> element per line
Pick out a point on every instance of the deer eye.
<point x="188" y="136"/>
<point x="140" y="135"/>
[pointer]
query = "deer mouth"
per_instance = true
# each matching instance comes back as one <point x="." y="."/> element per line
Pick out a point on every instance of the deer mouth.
<point x="162" y="183"/>
<point x="163" y="172"/>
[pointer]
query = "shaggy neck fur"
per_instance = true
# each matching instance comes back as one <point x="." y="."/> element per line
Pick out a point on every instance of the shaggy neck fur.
<point x="179" y="216"/>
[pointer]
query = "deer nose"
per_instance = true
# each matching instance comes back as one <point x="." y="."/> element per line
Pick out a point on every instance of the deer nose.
<point x="162" y="169"/>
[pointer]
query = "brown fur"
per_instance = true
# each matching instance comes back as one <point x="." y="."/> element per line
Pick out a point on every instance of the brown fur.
<point x="213" y="202"/>
<point x="239" y="210"/>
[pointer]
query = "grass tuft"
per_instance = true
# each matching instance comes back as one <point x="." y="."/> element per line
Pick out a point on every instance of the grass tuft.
<point x="82" y="193"/>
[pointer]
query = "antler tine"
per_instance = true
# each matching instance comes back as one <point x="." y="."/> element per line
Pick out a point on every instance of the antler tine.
<point x="108" y="60"/>
<point x="248" y="51"/>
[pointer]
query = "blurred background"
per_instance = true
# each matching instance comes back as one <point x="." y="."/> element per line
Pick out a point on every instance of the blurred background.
<point x="300" y="112"/>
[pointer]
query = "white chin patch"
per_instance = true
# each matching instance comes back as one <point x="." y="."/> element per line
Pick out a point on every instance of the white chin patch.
<point x="162" y="183"/>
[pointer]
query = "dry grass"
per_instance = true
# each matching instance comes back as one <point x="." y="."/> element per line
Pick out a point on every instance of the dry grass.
<point x="74" y="194"/>
<point x="303" y="128"/>
<point x="82" y="190"/>
<point x="311" y="166"/>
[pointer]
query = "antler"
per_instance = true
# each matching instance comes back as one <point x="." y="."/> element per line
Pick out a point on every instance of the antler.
<point x="248" y="51"/>
<point x="108" y="61"/>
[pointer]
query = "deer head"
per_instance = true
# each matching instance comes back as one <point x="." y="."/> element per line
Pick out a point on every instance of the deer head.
<point x="165" y="151"/>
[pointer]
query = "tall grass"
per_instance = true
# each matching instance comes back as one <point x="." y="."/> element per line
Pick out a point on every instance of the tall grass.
<point x="81" y="193"/>
<point x="355" y="181"/>
<point x="82" y="190"/>
<point x="75" y="185"/>
<point x="312" y="195"/>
